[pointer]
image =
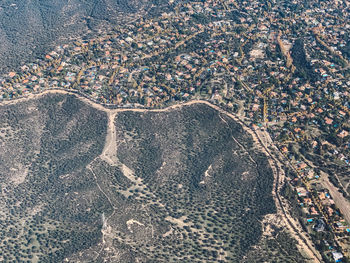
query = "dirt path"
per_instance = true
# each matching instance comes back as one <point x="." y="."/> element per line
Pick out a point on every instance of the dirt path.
<point x="304" y="242"/>
<point x="261" y="138"/>
<point x="340" y="201"/>
<point x="264" y="142"/>
<point x="109" y="153"/>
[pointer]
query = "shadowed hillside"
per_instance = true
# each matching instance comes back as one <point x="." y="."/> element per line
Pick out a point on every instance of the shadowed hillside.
<point x="49" y="203"/>
<point x="29" y="28"/>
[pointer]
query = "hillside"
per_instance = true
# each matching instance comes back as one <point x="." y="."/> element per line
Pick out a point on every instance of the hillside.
<point x="28" y="28"/>
<point x="180" y="185"/>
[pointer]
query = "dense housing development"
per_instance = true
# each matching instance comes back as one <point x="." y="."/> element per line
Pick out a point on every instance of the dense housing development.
<point x="282" y="66"/>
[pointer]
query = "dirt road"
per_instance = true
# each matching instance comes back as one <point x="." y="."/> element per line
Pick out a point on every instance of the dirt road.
<point x="261" y="138"/>
<point x="338" y="197"/>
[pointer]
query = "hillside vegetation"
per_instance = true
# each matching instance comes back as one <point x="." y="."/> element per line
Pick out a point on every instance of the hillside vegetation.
<point x="28" y="28"/>
<point x="182" y="185"/>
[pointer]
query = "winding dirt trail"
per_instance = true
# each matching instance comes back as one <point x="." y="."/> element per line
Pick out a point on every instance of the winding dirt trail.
<point x="260" y="137"/>
<point x="275" y="159"/>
